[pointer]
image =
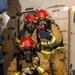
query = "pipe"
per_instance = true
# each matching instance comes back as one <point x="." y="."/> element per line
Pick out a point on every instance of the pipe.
<point x="68" y="42"/>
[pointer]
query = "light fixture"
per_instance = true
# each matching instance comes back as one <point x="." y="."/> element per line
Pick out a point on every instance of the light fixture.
<point x="65" y="8"/>
<point x="69" y="8"/>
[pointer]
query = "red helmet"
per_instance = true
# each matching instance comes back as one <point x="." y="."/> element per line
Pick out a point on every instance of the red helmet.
<point x="41" y="14"/>
<point x="29" y="18"/>
<point x="26" y="43"/>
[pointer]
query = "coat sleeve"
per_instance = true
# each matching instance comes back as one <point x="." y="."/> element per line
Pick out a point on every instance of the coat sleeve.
<point x="44" y="64"/>
<point x="12" y="68"/>
<point x="56" y="36"/>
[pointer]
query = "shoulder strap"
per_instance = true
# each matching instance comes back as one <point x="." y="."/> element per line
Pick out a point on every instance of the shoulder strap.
<point x="38" y="39"/>
<point x="19" y="64"/>
<point x="49" y="24"/>
<point x="36" y="55"/>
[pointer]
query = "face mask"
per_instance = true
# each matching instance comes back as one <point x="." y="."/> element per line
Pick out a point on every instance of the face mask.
<point x="42" y="25"/>
<point x="41" y="28"/>
<point x="27" y="56"/>
<point x="29" y="27"/>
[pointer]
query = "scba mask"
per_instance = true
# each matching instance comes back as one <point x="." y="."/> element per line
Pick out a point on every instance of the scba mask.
<point x="29" y="27"/>
<point x="27" y="55"/>
<point x="42" y="25"/>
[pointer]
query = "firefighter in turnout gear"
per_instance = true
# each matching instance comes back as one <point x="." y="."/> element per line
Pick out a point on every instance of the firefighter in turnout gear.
<point x="28" y="61"/>
<point x="28" y="30"/>
<point x="51" y="42"/>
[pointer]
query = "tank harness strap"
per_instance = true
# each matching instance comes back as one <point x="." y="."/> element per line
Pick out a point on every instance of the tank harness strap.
<point x="19" y="64"/>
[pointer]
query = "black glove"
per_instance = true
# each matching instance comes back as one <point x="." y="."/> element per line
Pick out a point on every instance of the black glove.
<point x="35" y="72"/>
<point x="45" y="35"/>
<point x="36" y="49"/>
<point x="21" y="34"/>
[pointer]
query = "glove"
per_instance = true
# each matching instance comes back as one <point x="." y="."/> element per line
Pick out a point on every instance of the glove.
<point x="21" y="34"/>
<point x="44" y="35"/>
<point x="27" y="71"/>
<point x="35" y="72"/>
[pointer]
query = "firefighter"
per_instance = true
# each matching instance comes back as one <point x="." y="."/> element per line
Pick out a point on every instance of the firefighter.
<point x="28" y="61"/>
<point x="29" y="30"/>
<point x="51" y="42"/>
<point x="29" y="22"/>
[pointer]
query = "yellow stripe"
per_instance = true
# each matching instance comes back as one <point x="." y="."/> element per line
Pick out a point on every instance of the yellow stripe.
<point x="40" y="69"/>
<point x="17" y="40"/>
<point x="48" y="52"/>
<point x="17" y="73"/>
<point x="49" y="42"/>
<point x="53" y="39"/>
<point x="45" y="52"/>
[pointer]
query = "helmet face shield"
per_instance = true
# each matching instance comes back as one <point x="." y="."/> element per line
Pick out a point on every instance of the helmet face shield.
<point x="27" y="51"/>
<point x="30" y="26"/>
<point x="42" y="25"/>
<point x="27" y="55"/>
